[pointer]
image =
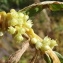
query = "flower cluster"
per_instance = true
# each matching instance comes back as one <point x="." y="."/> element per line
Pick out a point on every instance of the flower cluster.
<point x="18" y="24"/>
<point x="45" y="44"/>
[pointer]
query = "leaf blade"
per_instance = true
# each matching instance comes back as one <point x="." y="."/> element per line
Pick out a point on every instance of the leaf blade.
<point x="31" y="10"/>
<point x="47" y="58"/>
<point x="59" y="56"/>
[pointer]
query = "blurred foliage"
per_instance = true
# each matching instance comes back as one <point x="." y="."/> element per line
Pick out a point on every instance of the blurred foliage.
<point x="16" y="4"/>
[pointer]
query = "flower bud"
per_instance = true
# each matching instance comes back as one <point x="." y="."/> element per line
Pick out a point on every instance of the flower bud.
<point x="39" y="45"/>
<point x="45" y="48"/>
<point x="26" y="17"/>
<point x="53" y="43"/>
<point x="21" y="15"/>
<point x="34" y="40"/>
<point x="18" y="37"/>
<point x="11" y="30"/>
<point x="12" y="22"/>
<point x="46" y="40"/>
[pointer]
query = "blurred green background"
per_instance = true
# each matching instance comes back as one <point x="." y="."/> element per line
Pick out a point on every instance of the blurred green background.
<point x="46" y="23"/>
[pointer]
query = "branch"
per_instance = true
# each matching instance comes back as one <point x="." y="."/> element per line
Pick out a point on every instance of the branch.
<point x="33" y="9"/>
<point x="14" y="58"/>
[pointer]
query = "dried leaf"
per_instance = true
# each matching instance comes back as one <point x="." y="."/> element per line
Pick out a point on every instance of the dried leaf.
<point x="36" y="8"/>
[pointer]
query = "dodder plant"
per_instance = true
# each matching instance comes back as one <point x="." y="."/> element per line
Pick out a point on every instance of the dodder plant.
<point x="20" y="26"/>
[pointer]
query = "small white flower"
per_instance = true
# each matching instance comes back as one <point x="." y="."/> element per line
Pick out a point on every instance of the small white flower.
<point x="21" y="30"/>
<point x="53" y="43"/>
<point x="13" y="13"/>
<point x="39" y="44"/>
<point x="21" y="15"/>
<point x="11" y="30"/>
<point x="18" y="37"/>
<point x="45" y="48"/>
<point x="20" y="21"/>
<point x="26" y="17"/>
<point x="13" y="22"/>
<point x="34" y="40"/>
<point x="46" y="40"/>
<point x="29" y="23"/>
